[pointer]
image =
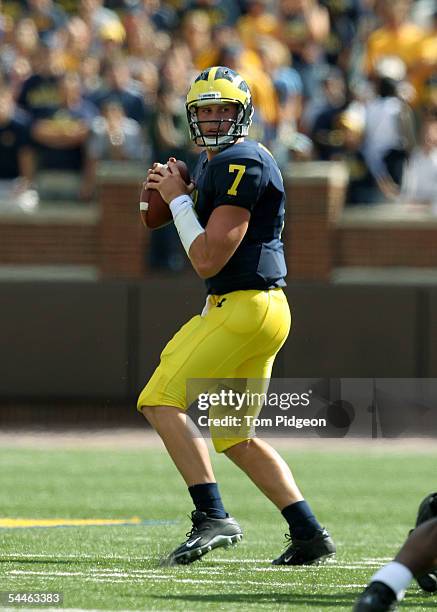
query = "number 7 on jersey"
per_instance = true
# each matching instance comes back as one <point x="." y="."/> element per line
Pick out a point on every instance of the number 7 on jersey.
<point x="240" y="170"/>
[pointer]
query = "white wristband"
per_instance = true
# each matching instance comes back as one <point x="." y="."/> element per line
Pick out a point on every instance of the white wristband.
<point x="185" y="220"/>
<point x="180" y="202"/>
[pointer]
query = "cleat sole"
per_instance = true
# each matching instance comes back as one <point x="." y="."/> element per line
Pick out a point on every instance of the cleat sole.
<point x="321" y="560"/>
<point x="427" y="582"/>
<point x="329" y="558"/>
<point x="197" y="553"/>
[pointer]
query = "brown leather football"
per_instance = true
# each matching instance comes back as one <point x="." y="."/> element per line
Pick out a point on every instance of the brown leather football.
<point x="158" y="213"/>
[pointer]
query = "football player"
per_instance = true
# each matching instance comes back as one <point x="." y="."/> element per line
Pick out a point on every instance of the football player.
<point x="231" y="230"/>
<point x="416" y="559"/>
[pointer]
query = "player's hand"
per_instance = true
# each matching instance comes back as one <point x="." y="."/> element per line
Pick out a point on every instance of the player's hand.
<point x="167" y="179"/>
<point x="154" y="175"/>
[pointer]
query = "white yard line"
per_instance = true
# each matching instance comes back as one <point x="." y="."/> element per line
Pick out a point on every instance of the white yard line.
<point x="153" y="575"/>
<point x="73" y="556"/>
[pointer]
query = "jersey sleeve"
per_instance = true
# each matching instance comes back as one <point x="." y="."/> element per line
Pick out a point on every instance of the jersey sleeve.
<point x="237" y="182"/>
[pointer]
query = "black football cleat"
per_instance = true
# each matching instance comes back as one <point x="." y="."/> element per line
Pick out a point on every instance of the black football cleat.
<point x="307" y="552"/>
<point x="428" y="582"/>
<point x="206" y="534"/>
<point x="427" y="510"/>
<point x="377" y="597"/>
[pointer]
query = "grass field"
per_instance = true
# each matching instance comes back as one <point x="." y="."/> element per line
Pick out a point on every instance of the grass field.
<point x="367" y="498"/>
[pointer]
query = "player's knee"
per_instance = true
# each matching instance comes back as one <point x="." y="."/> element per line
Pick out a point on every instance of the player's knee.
<point x="161" y="417"/>
<point x="149" y="413"/>
<point x="236" y="448"/>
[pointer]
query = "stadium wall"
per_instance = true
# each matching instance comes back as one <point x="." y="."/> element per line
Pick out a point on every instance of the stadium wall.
<point x="101" y="341"/>
<point x="320" y="234"/>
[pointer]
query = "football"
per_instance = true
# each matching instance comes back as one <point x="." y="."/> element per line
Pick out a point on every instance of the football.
<point x="156" y="212"/>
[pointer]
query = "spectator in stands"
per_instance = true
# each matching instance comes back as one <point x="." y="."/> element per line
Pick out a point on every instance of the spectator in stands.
<point x="90" y="76"/>
<point x="197" y="34"/>
<point x="425" y="71"/>
<point x="362" y="187"/>
<point x="334" y="101"/>
<point x="161" y="15"/>
<point x="96" y="15"/>
<point x="76" y="44"/>
<point x="48" y="18"/>
<point x="257" y="21"/>
<point x="144" y="43"/>
<point x="419" y="185"/>
<point x="127" y="51"/>
<point x="344" y="18"/>
<point x="17" y="55"/>
<point x="275" y="61"/>
<point x="61" y="139"/>
<point x="120" y="86"/>
<point x="304" y="28"/>
<point x="288" y="88"/>
<point x="148" y="76"/>
<point x="111" y="37"/>
<point x="113" y="137"/>
<point x="6" y="25"/>
<point x="397" y="37"/>
<point x="100" y="19"/>
<point x="430" y="93"/>
<point x="219" y="12"/>
<point x="168" y="128"/>
<point x="176" y="68"/>
<point x="17" y="159"/>
<point x="40" y="93"/>
<point x="389" y="129"/>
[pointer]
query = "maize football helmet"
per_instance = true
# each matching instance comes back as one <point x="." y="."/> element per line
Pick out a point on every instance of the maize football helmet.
<point x="219" y="85"/>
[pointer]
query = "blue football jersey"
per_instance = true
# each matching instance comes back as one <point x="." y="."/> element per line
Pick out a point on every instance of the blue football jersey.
<point x="245" y="174"/>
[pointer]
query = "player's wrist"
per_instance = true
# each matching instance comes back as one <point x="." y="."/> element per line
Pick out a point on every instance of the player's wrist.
<point x="180" y="203"/>
<point x="185" y="220"/>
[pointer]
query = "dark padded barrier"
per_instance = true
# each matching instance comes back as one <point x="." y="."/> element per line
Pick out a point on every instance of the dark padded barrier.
<point x="163" y="307"/>
<point x="353" y="331"/>
<point x="102" y="340"/>
<point x="64" y="340"/>
<point x="432" y="333"/>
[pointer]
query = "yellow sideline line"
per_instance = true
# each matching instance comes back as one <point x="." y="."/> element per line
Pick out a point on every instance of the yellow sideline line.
<point x="14" y="523"/>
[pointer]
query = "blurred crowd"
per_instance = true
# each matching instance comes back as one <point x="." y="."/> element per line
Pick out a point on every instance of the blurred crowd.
<point x="89" y="80"/>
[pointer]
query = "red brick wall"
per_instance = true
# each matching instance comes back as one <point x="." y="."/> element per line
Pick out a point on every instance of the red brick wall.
<point x="315" y="198"/>
<point x="122" y="236"/>
<point x="318" y="236"/>
<point x="386" y="246"/>
<point x="27" y="243"/>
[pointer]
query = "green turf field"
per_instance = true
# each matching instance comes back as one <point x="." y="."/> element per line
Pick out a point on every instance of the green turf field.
<point x="368" y="501"/>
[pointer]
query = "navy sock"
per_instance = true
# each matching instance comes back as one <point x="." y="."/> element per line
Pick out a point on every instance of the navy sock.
<point x="206" y="498"/>
<point x="303" y="524"/>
